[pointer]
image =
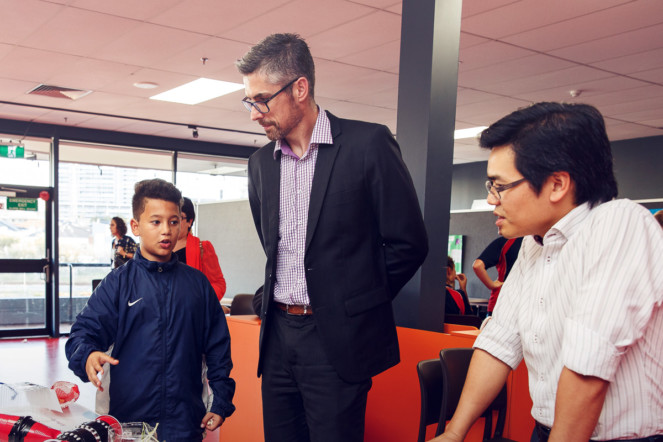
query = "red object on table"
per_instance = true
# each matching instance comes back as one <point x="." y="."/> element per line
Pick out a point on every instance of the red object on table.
<point x="67" y="392"/>
<point x="36" y="432"/>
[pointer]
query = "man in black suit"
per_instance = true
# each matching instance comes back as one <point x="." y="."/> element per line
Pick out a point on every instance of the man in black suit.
<point x="338" y="217"/>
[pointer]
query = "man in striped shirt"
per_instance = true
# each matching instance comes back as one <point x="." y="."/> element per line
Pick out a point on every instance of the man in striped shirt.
<point x="583" y="303"/>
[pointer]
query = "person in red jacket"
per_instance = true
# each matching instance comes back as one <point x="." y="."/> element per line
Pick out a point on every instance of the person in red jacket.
<point x="198" y="254"/>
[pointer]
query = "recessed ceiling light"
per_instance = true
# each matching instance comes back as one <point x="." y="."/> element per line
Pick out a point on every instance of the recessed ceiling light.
<point x="198" y="91"/>
<point x="146" y="85"/>
<point x="470" y="132"/>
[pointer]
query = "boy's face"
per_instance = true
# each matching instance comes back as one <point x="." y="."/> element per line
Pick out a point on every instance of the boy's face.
<point x="158" y="227"/>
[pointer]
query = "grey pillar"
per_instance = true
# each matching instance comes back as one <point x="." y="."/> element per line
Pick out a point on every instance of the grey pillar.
<point x="428" y="79"/>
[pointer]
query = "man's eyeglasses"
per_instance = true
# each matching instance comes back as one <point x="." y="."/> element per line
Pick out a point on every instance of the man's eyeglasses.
<point x="261" y="106"/>
<point x="495" y="190"/>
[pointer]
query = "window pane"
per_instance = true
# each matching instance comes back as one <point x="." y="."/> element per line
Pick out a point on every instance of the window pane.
<point x="31" y="168"/>
<point x="22" y="233"/>
<point x="22" y="300"/>
<point x="205" y="178"/>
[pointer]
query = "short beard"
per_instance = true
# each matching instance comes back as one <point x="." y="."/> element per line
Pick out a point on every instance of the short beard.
<point x="280" y="131"/>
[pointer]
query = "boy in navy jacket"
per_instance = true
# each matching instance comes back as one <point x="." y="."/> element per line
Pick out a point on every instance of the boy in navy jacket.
<point x="161" y="317"/>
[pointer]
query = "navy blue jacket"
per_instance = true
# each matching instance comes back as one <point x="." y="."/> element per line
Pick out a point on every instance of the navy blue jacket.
<point x="161" y="318"/>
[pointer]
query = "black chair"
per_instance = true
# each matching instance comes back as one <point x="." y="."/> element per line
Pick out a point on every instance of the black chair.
<point x="454" y="365"/>
<point x="242" y="304"/>
<point x="430" y="385"/>
<point x="95" y="283"/>
<point x="471" y="320"/>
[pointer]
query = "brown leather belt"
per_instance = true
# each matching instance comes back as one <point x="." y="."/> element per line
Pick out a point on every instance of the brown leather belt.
<point x="299" y="310"/>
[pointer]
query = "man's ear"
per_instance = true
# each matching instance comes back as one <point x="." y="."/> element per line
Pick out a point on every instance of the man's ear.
<point x="562" y="186"/>
<point x="134" y="227"/>
<point x="301" y="89"/>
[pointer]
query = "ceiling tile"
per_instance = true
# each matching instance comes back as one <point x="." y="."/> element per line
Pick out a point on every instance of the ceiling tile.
<point x="517" y="17"/>
<point x="587" y="89"/>
<point x="653" y="75"/>
<point x="79" y="32"/>
<point x="212" y="17"/>
<point x="142" y="10"/>
<point x="589" y="27"/>
<point x="637" y="62"/>
<point x="490" y="53"/>
<point x="35" y="64"/>
<point x="383" y="58"/>
<point x="221" y="55"/>
<point x="321" y="16"/>
<point x="147" y="44"/>
<point x="374" y="29"/>
<point x="620" y="45"/>
<point x="565" y="77"/>
<point x="512" y="70"/>
<point x="22" y="18"/>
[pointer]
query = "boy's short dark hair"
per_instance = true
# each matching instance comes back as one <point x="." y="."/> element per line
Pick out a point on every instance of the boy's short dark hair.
<point x="450" y="262"/>
<point x="157" y="189"/>
<point x="188" y="210"/>
<point x="559" y="137"/>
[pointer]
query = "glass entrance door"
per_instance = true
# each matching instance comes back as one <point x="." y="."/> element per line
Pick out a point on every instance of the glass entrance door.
<point x="25" y="261"/>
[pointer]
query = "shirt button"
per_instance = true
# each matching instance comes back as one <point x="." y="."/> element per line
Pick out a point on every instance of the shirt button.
<point x="160" y="269"/>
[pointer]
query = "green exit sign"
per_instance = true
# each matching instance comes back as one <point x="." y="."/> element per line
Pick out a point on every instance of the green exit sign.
<point x="27" y="204"/>
<point x="12" y="151"/>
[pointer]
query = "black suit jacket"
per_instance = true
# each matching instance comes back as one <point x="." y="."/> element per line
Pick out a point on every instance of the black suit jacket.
<point x="365" y="239"/>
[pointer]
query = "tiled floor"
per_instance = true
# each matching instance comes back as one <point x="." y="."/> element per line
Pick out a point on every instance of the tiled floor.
<point x="42" y="361"/>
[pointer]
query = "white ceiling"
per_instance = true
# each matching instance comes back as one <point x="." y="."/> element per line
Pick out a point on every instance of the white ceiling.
<point x="513" y="52"/>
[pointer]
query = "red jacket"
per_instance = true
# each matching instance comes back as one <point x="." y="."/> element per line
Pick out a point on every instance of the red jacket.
<point x="209" y="264"/>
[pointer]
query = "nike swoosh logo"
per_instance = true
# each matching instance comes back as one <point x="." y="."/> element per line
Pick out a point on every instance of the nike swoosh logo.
<point x="132" y="303"/>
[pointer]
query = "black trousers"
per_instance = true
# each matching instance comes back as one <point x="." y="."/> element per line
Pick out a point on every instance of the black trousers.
<point x="303" y="398"/>
<point x="541" y="434"/>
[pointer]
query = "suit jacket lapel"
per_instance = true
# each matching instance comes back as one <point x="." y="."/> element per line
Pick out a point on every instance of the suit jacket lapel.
<point x="272" y="177"/>
<point x="323" y="167"/>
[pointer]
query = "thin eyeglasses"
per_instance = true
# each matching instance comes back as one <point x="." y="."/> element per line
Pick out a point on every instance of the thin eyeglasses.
<point x="495" y="190"/>
<point x="261" y="106"/>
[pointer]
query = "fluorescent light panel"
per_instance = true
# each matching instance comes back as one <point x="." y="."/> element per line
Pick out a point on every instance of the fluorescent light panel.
<point x="197" y="91"/>
<point x="470" y="132"/>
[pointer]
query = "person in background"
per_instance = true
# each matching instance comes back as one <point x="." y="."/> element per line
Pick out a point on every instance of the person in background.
<point x="196" y="253"/>
<point x="338" y="217"/>
<point x="456" y="301"/>
<point x="501" y="253"/>
<point x="659" y="217"/>
<point x="123" y="246"/>
<point x="161" y="318"/>
<point x="583" y="304"/>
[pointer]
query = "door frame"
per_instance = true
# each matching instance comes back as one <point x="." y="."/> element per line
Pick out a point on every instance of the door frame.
<point x="45" y="265"/>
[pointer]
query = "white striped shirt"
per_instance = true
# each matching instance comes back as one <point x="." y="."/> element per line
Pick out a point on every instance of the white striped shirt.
<point x="589" y="299"/>
<point x="296" y="182"/>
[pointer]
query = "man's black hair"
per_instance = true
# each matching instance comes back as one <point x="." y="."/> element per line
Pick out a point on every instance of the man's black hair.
<point x="187" y="209"/>
<point x="558" y="137"/>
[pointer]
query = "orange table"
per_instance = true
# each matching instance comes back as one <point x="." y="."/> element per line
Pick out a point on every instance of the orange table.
<point x="392" y="412"/>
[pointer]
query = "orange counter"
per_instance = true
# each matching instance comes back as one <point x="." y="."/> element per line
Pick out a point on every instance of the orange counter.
<point x="392" y="412"/>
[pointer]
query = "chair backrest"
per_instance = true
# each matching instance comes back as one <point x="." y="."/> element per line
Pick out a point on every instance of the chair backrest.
<point x="242" y="304"/>
<point x="95" y="283"/>
<point x="430" y="386"/>
<point x="454" y="364"/>
<point x="471" y="320"/>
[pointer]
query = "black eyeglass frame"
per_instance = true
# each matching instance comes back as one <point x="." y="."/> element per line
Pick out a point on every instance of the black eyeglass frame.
<point x="248" y="104"/>
<point x="490" y="187"/>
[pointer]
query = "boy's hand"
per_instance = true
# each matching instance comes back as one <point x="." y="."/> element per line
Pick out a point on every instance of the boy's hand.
<point x="94" y="366"/>
<point x="211" y="421"/>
